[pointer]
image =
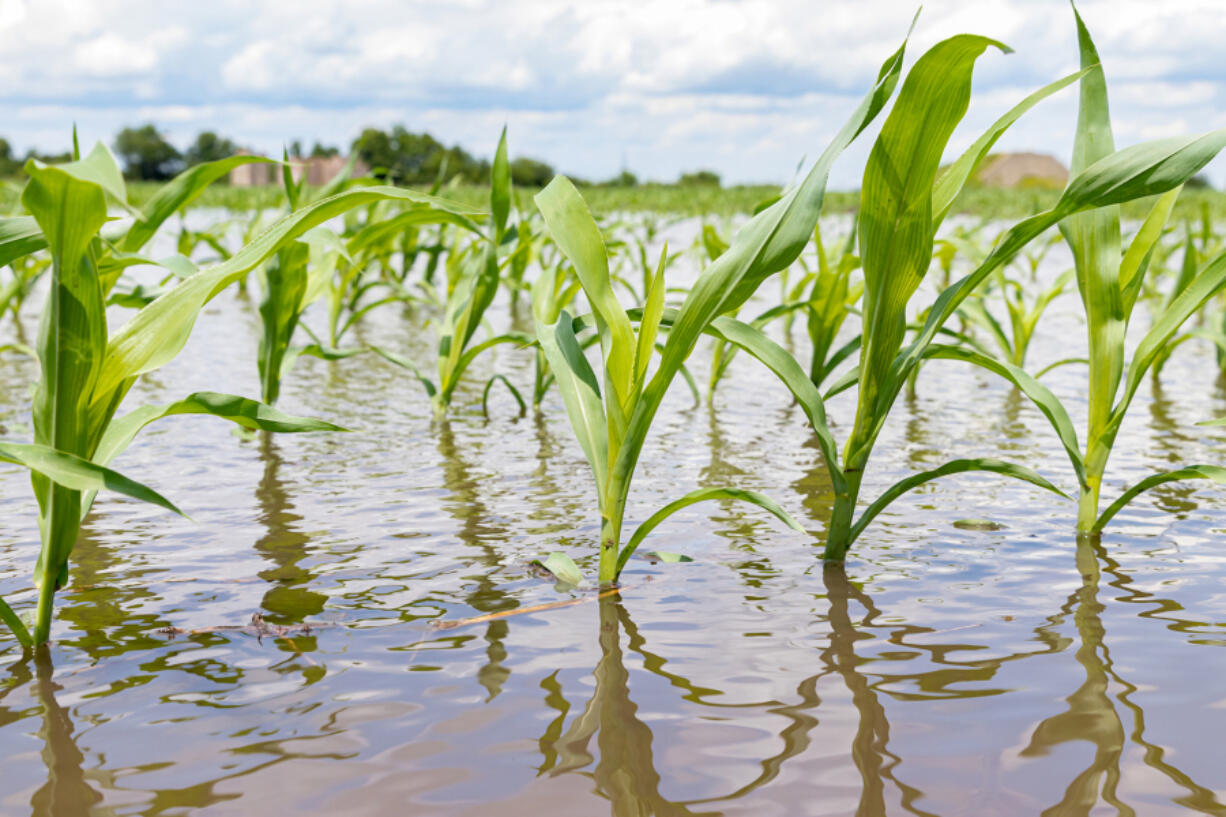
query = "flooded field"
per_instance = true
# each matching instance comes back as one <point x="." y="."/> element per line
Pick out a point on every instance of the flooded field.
<point x="282" y="649"/>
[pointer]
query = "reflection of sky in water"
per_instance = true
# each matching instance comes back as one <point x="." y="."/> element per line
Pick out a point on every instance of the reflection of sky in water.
<point x="948" y="671"/>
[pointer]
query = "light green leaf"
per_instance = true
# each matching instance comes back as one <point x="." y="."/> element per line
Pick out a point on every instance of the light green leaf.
<point x="179" y="192"/>
<point x="952" y="467"/>
<point x="78" y="474"/>
<point x="250" y="414"/>
<point x="1211" y="472"/>
<point x="15" y="624"/>
<point x="562" y="567"/>
<point x="702" y="495"/>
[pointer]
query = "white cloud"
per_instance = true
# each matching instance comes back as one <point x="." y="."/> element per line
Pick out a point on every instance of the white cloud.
<point x="744" y="86"/>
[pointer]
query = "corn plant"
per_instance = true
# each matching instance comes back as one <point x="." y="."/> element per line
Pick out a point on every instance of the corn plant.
<point x="471" y="292"/>
<point x="1109" y="280"/>
<point x="899" y="215"/>
<point x="611" y="422"/>
<point x="71" y="472"/>
<point x="86" y="371"/>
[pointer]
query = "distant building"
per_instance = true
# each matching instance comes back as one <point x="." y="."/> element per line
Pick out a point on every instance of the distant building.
<point x="319" y="171"/>
<point x="1023" y="170"/>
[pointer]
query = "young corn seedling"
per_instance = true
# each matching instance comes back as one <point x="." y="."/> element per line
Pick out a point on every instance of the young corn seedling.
<point x="612" y="416"/>
<point x="86" y="371"/>
<point x="470" y="295"/>
<point x="1109" y="280"/>
<point x="61" y="469"/>
<point x="899" y="216"/>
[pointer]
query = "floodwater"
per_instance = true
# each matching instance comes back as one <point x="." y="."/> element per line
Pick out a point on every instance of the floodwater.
<point x="943" y="671"/>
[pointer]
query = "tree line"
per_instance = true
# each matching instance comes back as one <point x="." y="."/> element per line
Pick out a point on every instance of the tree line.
<point x="397" y="155"/>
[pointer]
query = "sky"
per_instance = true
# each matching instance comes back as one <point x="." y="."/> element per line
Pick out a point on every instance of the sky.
<point x="746" y="88"/>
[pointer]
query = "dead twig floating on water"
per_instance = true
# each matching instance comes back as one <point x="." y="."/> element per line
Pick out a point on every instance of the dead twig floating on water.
<point x="258" y="628"/>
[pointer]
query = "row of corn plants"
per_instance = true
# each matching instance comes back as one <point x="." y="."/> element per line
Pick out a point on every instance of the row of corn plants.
<point x="356" y="247"/>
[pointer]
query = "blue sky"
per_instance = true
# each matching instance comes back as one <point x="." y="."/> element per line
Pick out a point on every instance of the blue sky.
<point x="745" y="88"/>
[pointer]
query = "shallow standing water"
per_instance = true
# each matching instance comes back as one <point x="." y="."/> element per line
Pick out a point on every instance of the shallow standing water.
<point x="943" y="672"/>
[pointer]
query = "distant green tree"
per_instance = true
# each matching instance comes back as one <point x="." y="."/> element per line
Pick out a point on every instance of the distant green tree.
<point x="209" y="147"/>
<point x="319" y="151"/>
<point x="146" y="155"/>
<point x="9" y="164"/>
<point x="527" y="172"/>
<point x="623" y="179"/>
<point x="699" y="178"/>
<point x="415" y="158"/>
<point x="1198" y="182"/>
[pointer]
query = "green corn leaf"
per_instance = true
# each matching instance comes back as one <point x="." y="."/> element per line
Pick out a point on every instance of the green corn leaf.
<point x="242" y="411"/>
<point x="380" y="232"/>
<point x="960" y="172"/>
<point x="520" y="339"/>
<point x="576" y="234"/>
<point x="15" y="624"/>
<point x="1211" y="472"/>
<point x="101" y="169"/>
<point x="1146" y="169"/>
<point x="575" y="378"/>
<point x="285" y="286"/>
<point x="405" y="363"/>
<point x="500" y="189"/>
<point x="649" y="326"/>
<point x="78" y="474"/>
<point x="669" y="558"/>
<point x="1094" y="238"/>
<point x="785" y="367"/>
<point x="1208" y="283"/>
<point x="952" y="467"/>
<point x="1040" y="395"/>
<point x="19" y="236"/>
<point x="1068" y="361"/>
<point x="156" y="333"/>
<point x="179" y="192"/>
<point x="1136" y="259"/>
<point x="702" y="495"/>
<point x="562" y="567"/>
<point x="485" y="395"/>
<point x="896" y="223"/>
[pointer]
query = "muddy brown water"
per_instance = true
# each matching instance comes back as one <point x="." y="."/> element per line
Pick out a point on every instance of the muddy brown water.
<point x="944" y="671"/>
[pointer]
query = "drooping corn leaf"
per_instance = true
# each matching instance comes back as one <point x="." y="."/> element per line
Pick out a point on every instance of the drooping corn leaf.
<point x="79" y="474"/>
<point x="14" y="622"/>
<point x="562" y="567"/>
<point x="960" y="466"/>
<point x="702" y="495"/>
<point x="1040" y="395"/>
<point x="1211" y="472"/>
<point x="179" y="192"/>
<point x="243" y="411"/>
<point x="156" y="333"/>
